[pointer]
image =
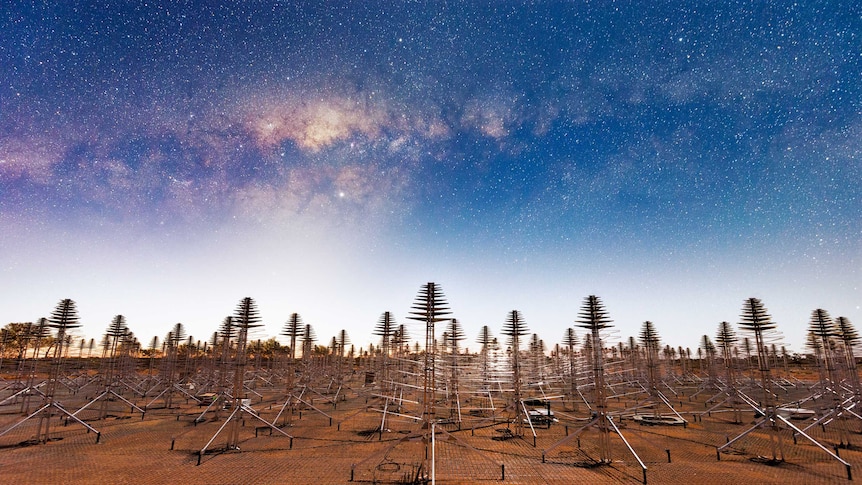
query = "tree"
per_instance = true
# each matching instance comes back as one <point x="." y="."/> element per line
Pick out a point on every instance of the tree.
<point x="15" y="339"/>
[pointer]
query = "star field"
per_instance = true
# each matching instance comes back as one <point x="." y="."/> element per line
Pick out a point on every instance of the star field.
<point x="162" y="161"/>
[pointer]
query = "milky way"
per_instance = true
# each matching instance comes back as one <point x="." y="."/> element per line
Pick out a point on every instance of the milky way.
<point x="163" y="161"/>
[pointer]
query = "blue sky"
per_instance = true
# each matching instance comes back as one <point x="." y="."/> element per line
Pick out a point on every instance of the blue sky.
<point x="162" y="162"/>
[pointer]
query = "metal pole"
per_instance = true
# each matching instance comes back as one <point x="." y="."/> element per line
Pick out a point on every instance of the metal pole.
<point x="433" y="462"/>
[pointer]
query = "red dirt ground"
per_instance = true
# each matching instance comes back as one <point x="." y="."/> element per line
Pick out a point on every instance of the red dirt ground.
<point x="163" y="448"/>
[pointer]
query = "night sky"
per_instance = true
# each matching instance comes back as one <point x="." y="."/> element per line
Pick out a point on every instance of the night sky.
<point x="164" y="161"/>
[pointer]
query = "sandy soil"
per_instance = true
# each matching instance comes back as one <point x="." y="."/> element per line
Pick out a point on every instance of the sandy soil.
<point x="332" y="445"/>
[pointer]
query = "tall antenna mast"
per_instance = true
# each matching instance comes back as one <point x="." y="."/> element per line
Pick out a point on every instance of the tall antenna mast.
<point x="430" y="307"/>
<point x="515" y="328"/>
<point x="594" y="318"/>
<point x="63" y="319"/>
